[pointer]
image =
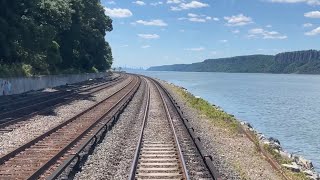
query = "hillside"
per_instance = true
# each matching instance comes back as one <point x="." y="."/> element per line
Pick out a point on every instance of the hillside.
<point x="306" y="62"/>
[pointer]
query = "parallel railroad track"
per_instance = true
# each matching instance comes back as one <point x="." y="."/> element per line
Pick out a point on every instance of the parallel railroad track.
<point x="43" y="156"/>
<point x="11" y="118"/>
<point x="158" y="156"/>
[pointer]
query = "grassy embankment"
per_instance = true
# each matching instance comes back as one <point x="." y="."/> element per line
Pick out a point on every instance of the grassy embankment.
<point x="226" y="121"/>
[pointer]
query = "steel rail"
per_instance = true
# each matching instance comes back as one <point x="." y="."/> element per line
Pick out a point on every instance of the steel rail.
<point x="4" y="124"/>
<point x="138" y="148"/>
<point x="133" y="170"/>
<point x="13" y="153"/>
<point x="98" y="129"/>
<point x="181" y="158"/>
<point x="205" y="156"/>
<point x="102" y="129"/>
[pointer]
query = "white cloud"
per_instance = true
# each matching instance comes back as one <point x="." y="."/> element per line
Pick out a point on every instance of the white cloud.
<point x="223" y="41"/>
<point x="149" y="36"/>
<point x="307" y="25"/>
<point x="173" y="1"/>
<point x="111" y="2"/>
<point x="125" y="45"/>
<point x="197" y="18"/>
<point x="310" y="2"/>
<point x="156" y="3"/>
<point x="216" y="19"/>
<point x="264" y="34"/>
<point x="269" y="26"/>
<point x="140" y="3"/>
<point x="190" y="5"/>
<point x="145" y="46"/>
<point x="314" y="32"/>
<point x="182" y="30"/>
<point x="235" y="31"/>
<point x="118" y="12"/>
<point x="238" y="20"/>
<point x="195" y="49"/>
<point x="312" y="14"/>
<point x="155" y="22"/>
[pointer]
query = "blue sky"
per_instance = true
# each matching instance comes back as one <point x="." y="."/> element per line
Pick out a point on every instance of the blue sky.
<point x="158" y="32"/>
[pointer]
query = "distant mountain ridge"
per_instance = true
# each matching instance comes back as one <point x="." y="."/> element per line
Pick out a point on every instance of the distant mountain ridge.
<point x="303" y="62"/>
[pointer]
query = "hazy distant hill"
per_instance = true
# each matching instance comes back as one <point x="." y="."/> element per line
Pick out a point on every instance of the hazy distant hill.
<point x="307" y="62"/>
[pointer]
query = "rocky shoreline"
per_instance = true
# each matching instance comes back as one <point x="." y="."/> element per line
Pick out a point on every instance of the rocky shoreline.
<point x="295" y="163"/>
<point x="289" y="165"/>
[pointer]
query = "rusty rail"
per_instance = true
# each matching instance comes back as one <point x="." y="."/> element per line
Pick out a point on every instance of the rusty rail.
<point x="58" y="141"/>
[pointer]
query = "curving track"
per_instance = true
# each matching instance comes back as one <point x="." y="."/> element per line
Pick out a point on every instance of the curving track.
<point x="42" y="156"/>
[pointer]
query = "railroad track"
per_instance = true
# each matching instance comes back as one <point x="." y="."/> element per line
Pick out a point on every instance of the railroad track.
<point x="10" y="119"/>
<point x="47" y="155"/>
<point x="167" y="147"/>
<point x="158" y="154"/>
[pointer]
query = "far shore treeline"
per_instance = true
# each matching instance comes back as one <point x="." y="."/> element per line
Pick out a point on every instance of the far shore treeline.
<point x="303" y="62"/>
<point x="53" y="36"/>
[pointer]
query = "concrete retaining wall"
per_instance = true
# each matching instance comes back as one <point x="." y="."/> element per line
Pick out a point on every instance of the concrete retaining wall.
<point x="10" y="86"/>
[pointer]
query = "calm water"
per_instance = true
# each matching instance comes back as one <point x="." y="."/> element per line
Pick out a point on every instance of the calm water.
<point x="286" y="107"/>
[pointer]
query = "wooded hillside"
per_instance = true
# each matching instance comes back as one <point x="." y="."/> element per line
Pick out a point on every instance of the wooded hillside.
<point x="306" y="62"/>
<point x="53" y="36"/>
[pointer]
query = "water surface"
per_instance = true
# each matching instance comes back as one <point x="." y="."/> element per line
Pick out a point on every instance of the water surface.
<point x="286" y="107"/>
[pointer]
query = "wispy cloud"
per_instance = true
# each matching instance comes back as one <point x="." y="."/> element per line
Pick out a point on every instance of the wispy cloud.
<point x="310" y="2"/>
<point x="149" y="36"/>
<point x="140" y="3"/>
<point x="198" y="18"/>
<point x="145" y="46"/>
<point x="173" y="1"/>
<point x="312" y="14"/>
<point x="307" y="25"/>
<point x="264" y="34"/>
<point x="155" y="22"/>
<point x="118" y="12"/>
<point x="235" y="31"/>
<point x="195" y="49"/>
<point x="111" y="2"/>
<point x="185" y="6"/>
<point x="238" y="20"/>
<point x="223" y="41"/>
<point x="156" y="3"/>
<point x="313" y="32"/>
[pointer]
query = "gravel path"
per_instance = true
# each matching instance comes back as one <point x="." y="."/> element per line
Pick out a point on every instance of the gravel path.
<point x="113" y="157"/>
<point x="39" y="124"/>
<point x="234" y="155"/>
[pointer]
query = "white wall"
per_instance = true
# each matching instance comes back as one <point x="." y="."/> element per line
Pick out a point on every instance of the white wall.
<point x="23" y="84"/>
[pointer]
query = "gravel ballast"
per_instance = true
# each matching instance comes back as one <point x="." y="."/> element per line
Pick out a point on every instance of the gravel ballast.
<point x="39" y="124"/>
<point x="113" y="157"/>
<point x="234" y="155"/>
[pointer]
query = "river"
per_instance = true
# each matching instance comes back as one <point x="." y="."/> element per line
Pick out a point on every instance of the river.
<point x="284" y="106"/>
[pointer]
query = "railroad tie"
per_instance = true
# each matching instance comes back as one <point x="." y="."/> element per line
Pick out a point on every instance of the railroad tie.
<point x="159" y="160"/>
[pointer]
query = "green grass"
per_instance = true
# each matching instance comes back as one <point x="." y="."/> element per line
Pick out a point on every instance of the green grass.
<point x="217" y="116"/>
<point x="227" y="121"/>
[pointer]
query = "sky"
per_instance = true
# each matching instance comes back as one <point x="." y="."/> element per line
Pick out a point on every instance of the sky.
<point x="159" y="32"/>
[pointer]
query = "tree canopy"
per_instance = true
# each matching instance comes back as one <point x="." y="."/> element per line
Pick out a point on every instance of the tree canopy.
<point x="49" y="37"/>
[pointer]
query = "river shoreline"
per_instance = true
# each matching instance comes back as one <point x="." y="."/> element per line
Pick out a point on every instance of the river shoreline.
<point x="291" y="165"/>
